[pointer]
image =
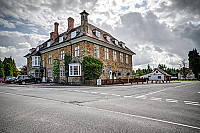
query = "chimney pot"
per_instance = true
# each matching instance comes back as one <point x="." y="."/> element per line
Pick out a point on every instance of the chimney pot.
<point x="55" y="29"/>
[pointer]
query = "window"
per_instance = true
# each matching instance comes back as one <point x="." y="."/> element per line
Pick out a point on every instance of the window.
<point x="121" y="57"/>
<point x="49" y="72"/>
<point x="115" y="42"/>
<point x="35" y="61"/>
<point x="60" y="39"/>
<point x="109" y="69"/>
<point x="107" y="38"/>
<point x="50" y="59"/>
<point x="75" y="69"/>
<point x="73" y="34"/>
<point x="129" y="72"/>
<point x="123" y="45"/>
<point x="103" y="71"/>
<point x="62" y="54"/>
<point x="37" y="48"/>
<point x="62" y="71"/>
<point x="114" y="56"/>
<point x="127" y="59"/>
<point x="97" y="33"/>
<point x="76" y="51"/>
<point x="159" y="77"/>
<point x="106" y="53"/>
<point x="96" y="51"/>
<point x="120" y="72"/>
<point x="125" y="74"/>
<point x="48" y="44"/>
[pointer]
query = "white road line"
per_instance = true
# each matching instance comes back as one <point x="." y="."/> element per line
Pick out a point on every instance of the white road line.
<point x="85" y="91"/>
<point x="149" y="118"/>
<point x="154" y="92"/>
<point x="141" y="97"/>
<point x="155" y="99"/>
<point x="198" y="92"/>
<point x="104" y="93"/>
<point x="128" y="96"/>
<point x="94" y="92"/>
<point x="115" y="95"/>
<point x="172" y="100"/>
<point x="192" y="103"/>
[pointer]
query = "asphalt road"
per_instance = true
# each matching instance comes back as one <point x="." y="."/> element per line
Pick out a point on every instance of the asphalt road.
<point x="152" y="108"/>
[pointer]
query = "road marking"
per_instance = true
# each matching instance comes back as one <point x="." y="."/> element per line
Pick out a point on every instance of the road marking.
<point x="85" y="91"/>
<point x="127" y="96"/>
<point x="148" y="118"/>
<point x="155" y="99"/>
<point x="198" y="92"/>
<point x="104" y="93"/>
<point x="115" y="95"/>
<point x="94" y="92"/>
<point x="172" y="100"/>
<point x="141" y="97"/>
<point x="192" y="103"/>
<point x="154" y="92"/>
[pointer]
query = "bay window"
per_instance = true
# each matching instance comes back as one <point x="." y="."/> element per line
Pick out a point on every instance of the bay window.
<point x="75" y="69"/>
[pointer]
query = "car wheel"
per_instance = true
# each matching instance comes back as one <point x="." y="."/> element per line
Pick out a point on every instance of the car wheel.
<point x="23" y="82"/>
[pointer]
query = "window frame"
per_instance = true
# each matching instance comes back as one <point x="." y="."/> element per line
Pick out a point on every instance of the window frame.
<point x="114" y="55"/>
<point x="50" y="59"/>
<point x="96" y="51"/>
<point x="121" y="57"/>
<point x="126" y="59"/>
<point x="106" y="53"/>
<point x="62" y="54"/>
<point x="71" y="69"/>
<point x="73" y="34"/>
<point x="77" y="51"/>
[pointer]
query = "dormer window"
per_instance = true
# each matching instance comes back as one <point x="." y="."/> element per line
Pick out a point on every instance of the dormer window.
<point x="30" y="51"/>
<point x="73" y="34"/>
<point x="107" y="38"/>
<point x="60" y="39"/>
<point x="115" y="42"/>
<point x="37" y="48"/>
<point x="123" y="45"/>
<point x="48" y="44"/>
<point x="97" y="33"/>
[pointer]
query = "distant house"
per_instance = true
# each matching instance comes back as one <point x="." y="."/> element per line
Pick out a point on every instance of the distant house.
<point x="157" y="75"/>
<point x="190" y="75"/>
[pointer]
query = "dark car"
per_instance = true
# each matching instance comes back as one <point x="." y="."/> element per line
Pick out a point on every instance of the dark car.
<point x="10" y="79"/>
<point x="23" y="79"/>
<point x="1" y="80"/>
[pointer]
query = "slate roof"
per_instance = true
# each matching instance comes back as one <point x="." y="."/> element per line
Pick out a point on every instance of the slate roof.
<point x="67" y="37"/>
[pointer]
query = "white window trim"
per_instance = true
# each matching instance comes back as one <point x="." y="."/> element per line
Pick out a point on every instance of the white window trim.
<point x="35" y="61"/>
<point x="62" y="54"/>
<point x="96" y="51"/>
<point x="60" y="39"/>
<point x="76" y="51"/>
<point x="50" y="59"/>
<point x="73" y="34"/>
<point x="121" y="57"/>
<point x="114" y="55"/>
<point x="106" y="53"/>
<point x="79" y="69"/>
<point x="126" y="59"/>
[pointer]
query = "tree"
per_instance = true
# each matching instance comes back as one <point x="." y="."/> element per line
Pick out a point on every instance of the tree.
<point x="139" y="72"/>
<point x="67" y="59"/>
<point x="133" y="72"/>
<point x="149" y="70"/>
<point x="194" y="62"/>
<point x="184" y="71"/>
<point x="2" y="75"/>
<point x="162" y="66"/>
<point x="92" y="67"/>
<point x="56" y="70"/>
<point x="10" y="68"/>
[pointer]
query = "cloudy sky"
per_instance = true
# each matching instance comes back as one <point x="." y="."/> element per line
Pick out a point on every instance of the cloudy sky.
<point x="157" y="31"/>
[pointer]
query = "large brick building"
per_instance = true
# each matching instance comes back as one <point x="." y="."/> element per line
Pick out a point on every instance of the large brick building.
<point x="84" y="40"/>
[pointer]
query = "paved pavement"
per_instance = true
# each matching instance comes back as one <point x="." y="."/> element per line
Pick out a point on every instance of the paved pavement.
<point x="153" y="108"/>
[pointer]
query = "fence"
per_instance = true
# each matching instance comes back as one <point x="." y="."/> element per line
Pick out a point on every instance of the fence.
<point x="114" y="81"/>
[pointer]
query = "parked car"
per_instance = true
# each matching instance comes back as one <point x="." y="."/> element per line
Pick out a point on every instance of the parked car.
<point x="10" y="79"/>
<point x="1" y="80"/>
<point x="23" y="79"/>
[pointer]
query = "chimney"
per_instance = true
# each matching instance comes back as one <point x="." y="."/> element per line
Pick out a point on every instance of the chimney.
<point x="70" y="23"/>
<point x="56" y="29"/>
<point x="51" y="35"/>
<point x="84" y="21"/>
